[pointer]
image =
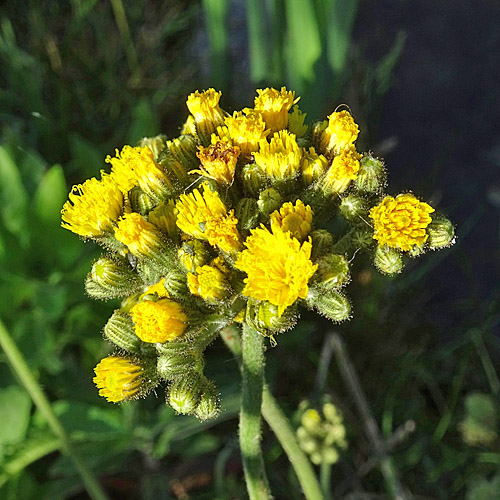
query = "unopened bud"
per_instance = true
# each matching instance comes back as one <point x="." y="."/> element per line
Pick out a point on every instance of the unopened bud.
<point x="269" y="201"/>
<point x="140" y="201"/>
<point x="193" y="254"/>
<point x="265" y="318"/>
<point x="333" y="305"/>
<point x="176" y="364"/>
<point x="333" y="271"/>
<point x="184" y="393"/>
<point x="371" y="175"/>
<point x="184" y="149"/>
<point x="111" y="277"/>
<point x="175" y="283"/>
<point x="353" y="206"/>
<point x="175" y="170"/>
<point x="155" y="144"/>
<point x="317" y="130"/>
<point x="120" y="331"/>
<point x="247" y="213"/>
<point x="388" y="260"/>
<point x="209" y="405"/>
<point x="322" y="242"/>
<point x="441" y="233"/>
<point x="253" y="178"/>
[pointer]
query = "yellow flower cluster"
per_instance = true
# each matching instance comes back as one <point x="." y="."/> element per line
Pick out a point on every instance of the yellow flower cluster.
<point x="223" y="224"/>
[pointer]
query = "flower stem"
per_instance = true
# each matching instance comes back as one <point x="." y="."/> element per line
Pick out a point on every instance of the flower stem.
<point x="21" y="369"/>
<point x="280" y="425"/>
<point x="250" y="415"/>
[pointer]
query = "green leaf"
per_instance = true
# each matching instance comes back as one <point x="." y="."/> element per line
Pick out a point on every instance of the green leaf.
<point x="50" y="197"/>
<point x="15" y="406"/>
<point x="304" y="42"/>
<point x="13" y="197"/>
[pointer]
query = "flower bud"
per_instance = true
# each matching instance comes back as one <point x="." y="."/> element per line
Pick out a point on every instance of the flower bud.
<point x="120" y="331"/>
<point x="269" y="201"/>
<point x="247" y="213"/>
<point x="441" y="233"/>
<point x="371" y="175"/>
<point x="209" y="405"/>
<point x="333" y="305"/>
<point x="254" y="178"/>
<point x="264" y="317"/>
<point x="111" y="277"/>
<point x="155" y="144"/>
<point x="388" y="260"/>
<point x="183" y="149"/>
<point x="204" y="106"/>
<point x="176" y="171"/>
<point x="123" y="378"/>
<point x="140" y="201"/>
<point x="193" y="254"/>
<point x="184" y="393"/>
<point x="332" y="272"/>
<point x="164" y="218"/>
<point x="175" y="283"/>
<point x="313" y="166"/>
<point x="317" y="130"/>
<point x="354" y="206"/>
<point x="322" y="242"/>
<point x="177" y="363"/>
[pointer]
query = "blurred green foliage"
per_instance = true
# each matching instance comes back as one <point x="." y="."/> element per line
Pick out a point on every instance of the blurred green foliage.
<point x="80" y="78"/>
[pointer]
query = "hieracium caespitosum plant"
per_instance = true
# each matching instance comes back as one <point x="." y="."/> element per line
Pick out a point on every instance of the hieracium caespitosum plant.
<point x="225" y="224"/>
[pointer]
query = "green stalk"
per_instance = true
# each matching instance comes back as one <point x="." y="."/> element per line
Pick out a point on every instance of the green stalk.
<point x="250" y="415"/>
<point x="281" y="427"/>
<point x="325" y="475"/>
<point x="21" y="369"/>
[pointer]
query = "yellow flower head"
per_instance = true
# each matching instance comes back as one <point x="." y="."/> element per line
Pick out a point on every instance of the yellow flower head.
<point x="93" y="207"/>
<point x="313" y="166"/>
<point x="281" y="158"/>
<point x="204" y="106"/>
<point x="244" y="131"/>
<point x="118" y="378"/>
<point x="141" y="237"/>
<point x="157" y="289"/>
<point x="218" y="162"/>
<point x="204" y="216"/>
<point x="164" y="217"/>
<point x="278" y="267"/>
<point x="295" y="219"/>
<point x="137" y="167"/>
<point x="208" y="283"/>
<point x="159" y="321"/>
<point x="343" y="170"/>
<point x="401" y="222"/>
<point x="296" y="123"/>
<point x="340" y="133"/>
<point x="274" y="106"/>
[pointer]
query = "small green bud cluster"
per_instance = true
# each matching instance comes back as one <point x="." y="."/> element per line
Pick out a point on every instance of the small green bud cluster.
<point x="322" y="434"/>
<point x="480" y="425"/>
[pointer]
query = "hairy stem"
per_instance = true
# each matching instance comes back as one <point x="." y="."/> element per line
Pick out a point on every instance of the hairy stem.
<point x="250" y="414"/>
<point x="21" y="369"/>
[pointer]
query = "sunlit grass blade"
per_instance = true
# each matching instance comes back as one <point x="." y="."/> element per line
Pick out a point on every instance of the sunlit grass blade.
<point x="258" y="40"/>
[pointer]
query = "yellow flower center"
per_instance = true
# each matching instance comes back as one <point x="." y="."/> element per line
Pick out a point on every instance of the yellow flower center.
<point x="218" y="162"/>
<point x="344" y="169"/>
<point x="158" y="289"/>
<point x="208" y="283"/>
<point x="281" y="158"/>
<point x="137" y="167"/>
<point x="159" y="321"/>
<point x="274" y="106"/>
<point x="244" y="131"/>
<point x="93" y="207"/>
<point x="340" y="133"/>
<point x="278" y="267"/>
<point x="118" y="378"/>
<point x="401" y="222"/>
<point x="141" y="237"/>
<point x="295" y="219"/>
<point x="204" y="216"/>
